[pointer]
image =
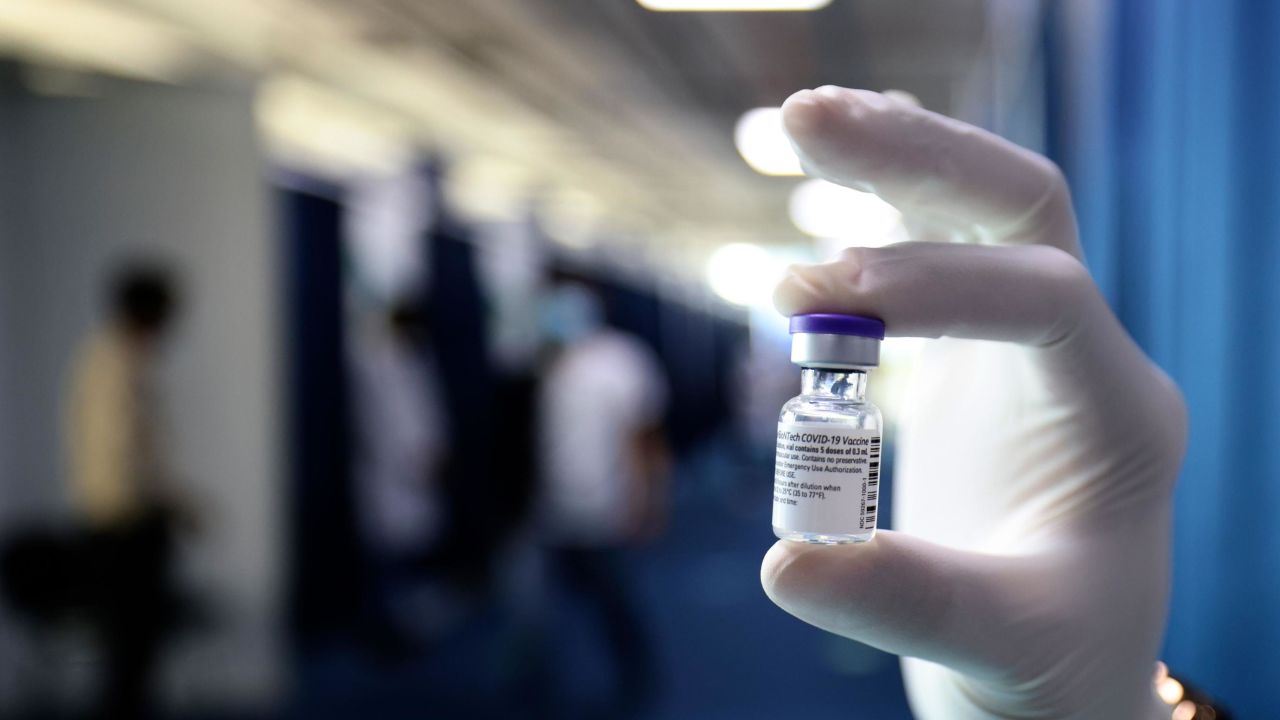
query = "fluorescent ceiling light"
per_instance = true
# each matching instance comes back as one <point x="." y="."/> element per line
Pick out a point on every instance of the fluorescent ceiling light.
<point x="93" y="36"/>
<point x="490" y="188"/>
<point x="732" y="5"/>
<point x="570" y="215"/>
<point x="827" y="210"/>
<point x="763" y="144"/>
<point x="310" y="125"/>
<point x="744" y="274"/>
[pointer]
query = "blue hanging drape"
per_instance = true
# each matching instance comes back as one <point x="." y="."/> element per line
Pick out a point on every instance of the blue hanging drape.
<point x="1165" y="116"/>
<point x="324" y="557"/>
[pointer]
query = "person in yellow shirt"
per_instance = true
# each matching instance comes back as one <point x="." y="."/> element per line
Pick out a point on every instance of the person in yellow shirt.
<point x="120" y="487"/>
<point x="117" y="476"/>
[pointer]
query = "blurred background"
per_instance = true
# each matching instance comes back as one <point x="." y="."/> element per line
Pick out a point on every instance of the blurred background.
<point x="414" y="358"/>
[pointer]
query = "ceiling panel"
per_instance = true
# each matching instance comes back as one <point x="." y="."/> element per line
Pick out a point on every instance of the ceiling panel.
<point x="658" y="93"/>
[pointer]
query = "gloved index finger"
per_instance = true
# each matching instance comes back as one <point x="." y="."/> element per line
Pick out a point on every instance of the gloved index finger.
<point x="1036" y="296"/>
<point x="931" y="165"/>
<point x="1033" y="295"/>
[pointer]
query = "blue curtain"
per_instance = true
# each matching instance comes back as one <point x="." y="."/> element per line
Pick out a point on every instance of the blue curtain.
<point x="324" y="556"/>
<point x="1166" y="117"/>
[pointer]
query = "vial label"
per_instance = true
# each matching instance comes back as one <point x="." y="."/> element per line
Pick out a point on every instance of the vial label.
<point x="826" y="478"/>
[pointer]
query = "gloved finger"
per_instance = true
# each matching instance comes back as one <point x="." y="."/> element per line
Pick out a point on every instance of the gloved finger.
<point x="900" y="594"/>
<point x="1035" y="295"/>
<point x="926" y="163"/>
<point x="902" y="96"/>
<point x="1030" y="294"/>
<point x="921" y="229"/>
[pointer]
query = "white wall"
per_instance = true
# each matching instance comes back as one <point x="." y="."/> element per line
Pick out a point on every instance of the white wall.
<point x="176" y="171"/>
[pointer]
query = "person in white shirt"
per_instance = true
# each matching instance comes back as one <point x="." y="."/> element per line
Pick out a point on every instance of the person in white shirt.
<point x="603" y="470"/>
<point x="401" y="438"/>
<point x="401" y="445"/>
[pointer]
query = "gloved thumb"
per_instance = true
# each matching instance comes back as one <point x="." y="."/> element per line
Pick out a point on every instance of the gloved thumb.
<point x="900" y="594"/>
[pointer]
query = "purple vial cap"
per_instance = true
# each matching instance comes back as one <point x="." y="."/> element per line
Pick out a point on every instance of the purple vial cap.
<point x="835" y="324"/>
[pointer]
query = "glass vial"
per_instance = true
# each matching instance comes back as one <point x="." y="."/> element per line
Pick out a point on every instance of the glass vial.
<point x="826" y="478"/>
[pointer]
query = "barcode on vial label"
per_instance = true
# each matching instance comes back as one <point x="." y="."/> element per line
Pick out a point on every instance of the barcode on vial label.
<point x="873" y="486"/>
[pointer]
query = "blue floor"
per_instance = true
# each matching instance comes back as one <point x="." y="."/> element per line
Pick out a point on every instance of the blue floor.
<point x="727" y="650"/>
<point x="723" y="649"/>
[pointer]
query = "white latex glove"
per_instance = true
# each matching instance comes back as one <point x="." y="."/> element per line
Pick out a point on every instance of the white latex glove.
<point x="1029" y="574"/>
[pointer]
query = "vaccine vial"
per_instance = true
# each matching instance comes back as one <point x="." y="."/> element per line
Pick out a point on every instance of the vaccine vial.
<point x="826" y="478"/>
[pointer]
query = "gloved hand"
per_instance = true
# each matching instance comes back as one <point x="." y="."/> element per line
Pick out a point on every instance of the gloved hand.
<point x="1028" y="576"/>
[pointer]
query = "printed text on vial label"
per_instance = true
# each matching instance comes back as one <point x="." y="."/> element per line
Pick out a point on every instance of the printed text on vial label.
<point x="830" y="476"/>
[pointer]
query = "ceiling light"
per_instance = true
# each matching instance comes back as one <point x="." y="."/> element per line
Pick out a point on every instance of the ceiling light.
<point x="731" y="5"/>
<point x="827" y="210"/>
<point x="763" y="144"/>
<point x="310" y="125"/>
<point x="491" y="188"/>
<point x="570" y="215"/>
<point x="744" y="274"/>
<point x="94" y="36"/>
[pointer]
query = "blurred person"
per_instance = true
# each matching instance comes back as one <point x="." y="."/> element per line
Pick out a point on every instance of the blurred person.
<point x="401" y="446"/>
<point x="122" y="487"/>
<point x="603" y="467"/>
